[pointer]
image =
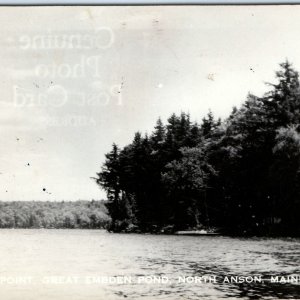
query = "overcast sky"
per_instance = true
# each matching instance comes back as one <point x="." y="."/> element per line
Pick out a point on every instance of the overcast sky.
<point x="76" y="79"/>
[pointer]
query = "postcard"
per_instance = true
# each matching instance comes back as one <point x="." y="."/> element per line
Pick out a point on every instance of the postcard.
<point x="150" y="152"/>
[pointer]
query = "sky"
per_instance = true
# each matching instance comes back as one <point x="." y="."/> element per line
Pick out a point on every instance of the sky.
<point x="76" y="79"/>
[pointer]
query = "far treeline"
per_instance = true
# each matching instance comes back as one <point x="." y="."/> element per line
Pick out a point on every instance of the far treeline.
<point x="40" y="214"/>
<point x="240" y="175"/>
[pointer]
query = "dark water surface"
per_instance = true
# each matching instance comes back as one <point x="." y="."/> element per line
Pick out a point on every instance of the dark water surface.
<point x="70" y="264"/>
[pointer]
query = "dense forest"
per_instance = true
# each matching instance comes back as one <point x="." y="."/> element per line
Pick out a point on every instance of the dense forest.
<point x="39" y="214"/>
<point x="239" y="175"/>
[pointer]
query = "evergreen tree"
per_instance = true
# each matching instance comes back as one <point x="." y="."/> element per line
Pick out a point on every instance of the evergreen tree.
<point x="240" y="174"/>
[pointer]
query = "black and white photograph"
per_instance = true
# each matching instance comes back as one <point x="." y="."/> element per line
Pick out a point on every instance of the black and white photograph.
<point x="150" y="152"/>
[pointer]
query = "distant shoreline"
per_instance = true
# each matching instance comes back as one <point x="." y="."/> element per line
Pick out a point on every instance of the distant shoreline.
<point x="54" y="215"/>
<point x="165" y="234"/>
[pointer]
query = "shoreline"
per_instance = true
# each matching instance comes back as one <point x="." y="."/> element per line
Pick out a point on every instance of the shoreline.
<point x="224" y="235"/>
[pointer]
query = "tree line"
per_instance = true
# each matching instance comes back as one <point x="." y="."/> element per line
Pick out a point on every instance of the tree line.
<point x="40" y="214"/>
<point x="240" y="174"/>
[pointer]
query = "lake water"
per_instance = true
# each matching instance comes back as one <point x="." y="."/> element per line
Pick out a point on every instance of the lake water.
<point x="74" y="264"/>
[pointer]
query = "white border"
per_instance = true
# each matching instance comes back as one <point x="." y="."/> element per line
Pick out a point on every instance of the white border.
<point x="145" y="2"/>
